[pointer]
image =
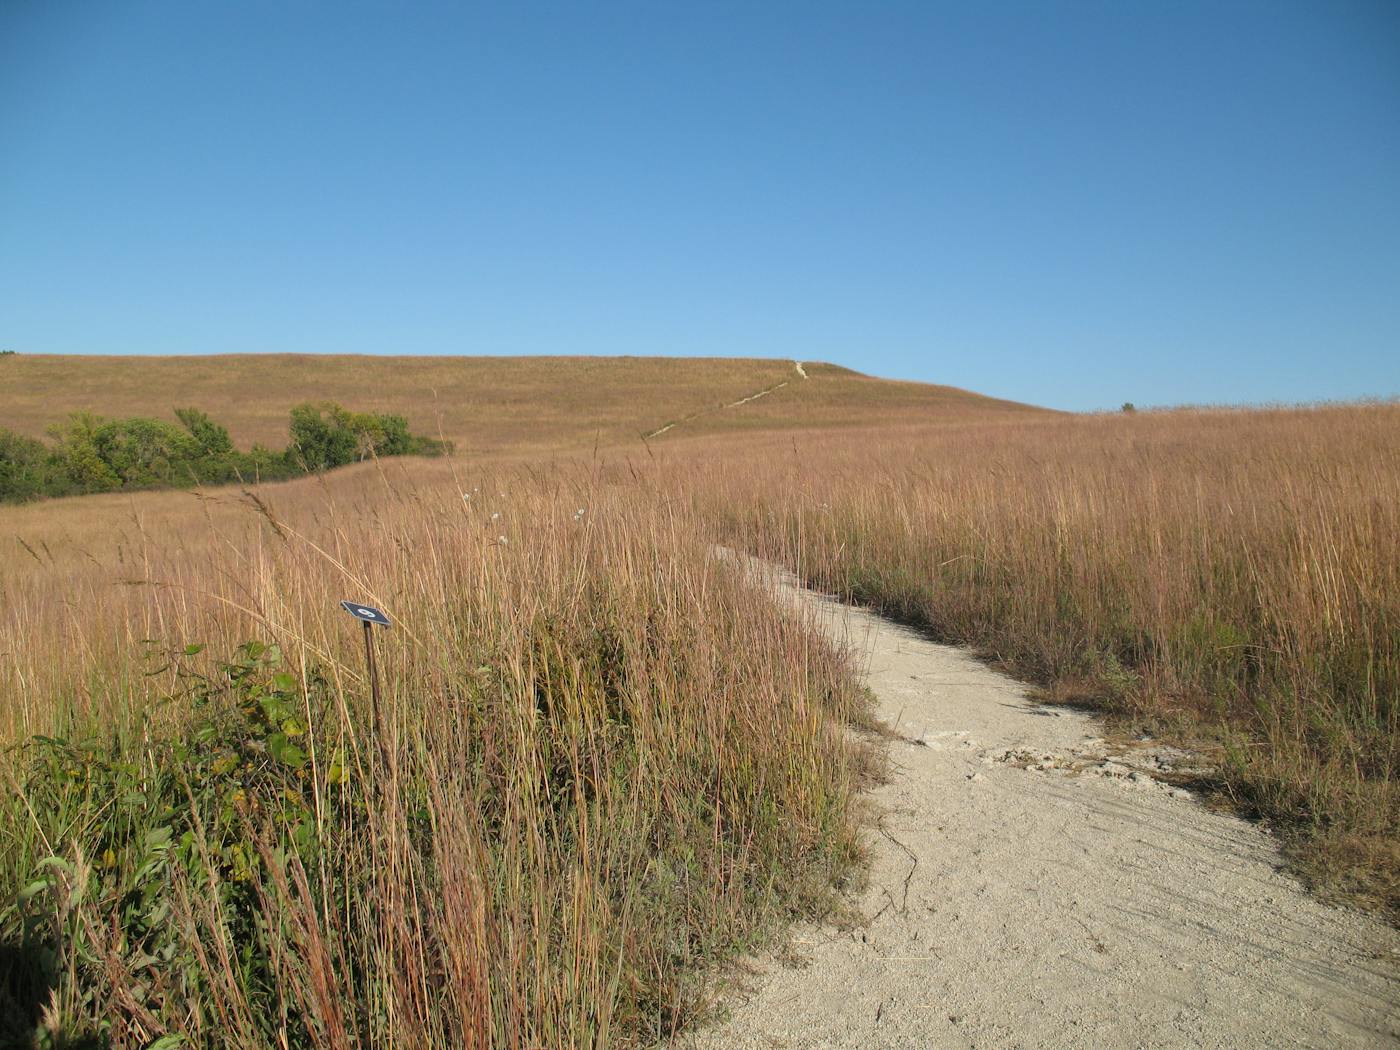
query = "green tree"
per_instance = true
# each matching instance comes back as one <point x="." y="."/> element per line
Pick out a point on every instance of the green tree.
<point x="326" y="435"/>
<point x="321" y="436"/>
<point x="78" y="465"/>
<point x="92" y="454"/>
<point x="144" y="452"/>
<point x="213" y="438"/>
<point x="26" y="467"/>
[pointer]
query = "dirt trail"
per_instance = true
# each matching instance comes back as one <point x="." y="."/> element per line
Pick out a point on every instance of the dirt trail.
<point x="754" y="397"/>
<point x="1032" y="886"/>
<point x="732" y="404"/>
<point x="718" y="408"/>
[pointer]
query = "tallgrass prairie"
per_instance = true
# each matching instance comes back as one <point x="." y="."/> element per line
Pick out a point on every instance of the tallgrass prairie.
<point x="603" y="761"/>
<point x="598" y="764"/>
<point x="1229" y="577"/>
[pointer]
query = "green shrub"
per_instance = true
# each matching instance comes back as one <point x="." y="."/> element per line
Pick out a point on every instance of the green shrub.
<point x="212" y="438"/>
<point x="144" y="453"/>
<point x="322" y="437"/>
<point x="325" y="435"/>
<point x="25" y="467"/>
<point x="215" y="815"/>
<point x="91" y="454"/>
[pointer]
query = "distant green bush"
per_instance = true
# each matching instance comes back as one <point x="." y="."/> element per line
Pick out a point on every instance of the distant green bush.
<point x="325" y="435"/>
<point x="26" y="467"/>
<point x="91" y="454"/>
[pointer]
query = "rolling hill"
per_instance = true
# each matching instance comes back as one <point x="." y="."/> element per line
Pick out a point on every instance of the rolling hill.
<point x="484" y="404"/>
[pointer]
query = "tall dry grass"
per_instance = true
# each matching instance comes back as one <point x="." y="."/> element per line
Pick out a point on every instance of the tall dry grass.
<point x="599" y="764"/>
<point x="1230" y="576"/>
<point x="602" y="761"/>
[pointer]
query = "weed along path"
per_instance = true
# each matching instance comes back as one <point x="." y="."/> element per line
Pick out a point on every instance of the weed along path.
<point x="1032" y="885"/>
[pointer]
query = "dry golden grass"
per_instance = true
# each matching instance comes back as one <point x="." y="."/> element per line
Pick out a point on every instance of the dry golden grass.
<point x="484" y="404"/>
<point x="599" y="763"/>
<point x="632" y="767"/>
<point x="1228" y="576"/>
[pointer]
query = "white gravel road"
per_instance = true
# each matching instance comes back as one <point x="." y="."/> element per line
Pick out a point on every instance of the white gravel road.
<point x="1033" y="886"/>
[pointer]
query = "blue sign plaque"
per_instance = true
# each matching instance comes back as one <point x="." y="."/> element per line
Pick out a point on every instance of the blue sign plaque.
<point x="368" y="613"/>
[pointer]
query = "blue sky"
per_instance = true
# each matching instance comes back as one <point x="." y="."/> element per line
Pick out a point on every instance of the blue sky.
<point x="1072" y="204"/>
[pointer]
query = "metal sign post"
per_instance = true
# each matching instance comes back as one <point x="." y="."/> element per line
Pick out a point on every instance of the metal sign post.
<point x="369" y="616"/>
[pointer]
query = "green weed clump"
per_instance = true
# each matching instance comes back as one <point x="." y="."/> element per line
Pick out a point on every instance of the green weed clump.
<point x="124" y="839"/>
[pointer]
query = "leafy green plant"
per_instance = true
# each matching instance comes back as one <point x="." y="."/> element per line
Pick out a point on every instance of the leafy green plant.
<point x="135" y="839"/>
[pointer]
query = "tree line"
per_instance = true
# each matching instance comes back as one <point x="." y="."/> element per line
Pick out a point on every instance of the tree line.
<point x="87" y="453"/>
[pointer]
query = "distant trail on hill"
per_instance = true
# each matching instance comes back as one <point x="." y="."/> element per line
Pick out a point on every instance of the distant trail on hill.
<point x="706" y="411"/>
<point x="484" y="405"/>
<point x="1034" y="885"/>
<point x="754" y="397"/>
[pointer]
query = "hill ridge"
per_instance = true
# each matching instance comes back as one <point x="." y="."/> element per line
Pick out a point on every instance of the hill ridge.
<point x="481" y="403"/>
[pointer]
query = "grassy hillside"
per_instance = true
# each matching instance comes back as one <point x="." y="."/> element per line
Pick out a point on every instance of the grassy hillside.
<point x="483" y="404"/>
<point x="602" y="762"/>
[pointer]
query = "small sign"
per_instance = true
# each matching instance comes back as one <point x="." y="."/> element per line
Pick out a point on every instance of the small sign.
<point x="368" y="613"/>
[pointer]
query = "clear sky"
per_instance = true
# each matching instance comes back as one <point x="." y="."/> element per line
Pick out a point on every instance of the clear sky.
<point x="1074" y="204"/>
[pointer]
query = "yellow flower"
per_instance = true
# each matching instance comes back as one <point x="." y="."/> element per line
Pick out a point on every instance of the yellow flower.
<point x="224" y="764"/>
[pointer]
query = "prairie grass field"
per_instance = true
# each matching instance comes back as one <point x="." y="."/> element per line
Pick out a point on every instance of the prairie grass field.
<point x="597" y="764"/>
<point x="1227" y="577"/>
<point x="603" y="762"/>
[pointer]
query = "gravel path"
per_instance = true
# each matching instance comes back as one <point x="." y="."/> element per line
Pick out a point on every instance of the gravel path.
<point x="1032" y="885"/>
